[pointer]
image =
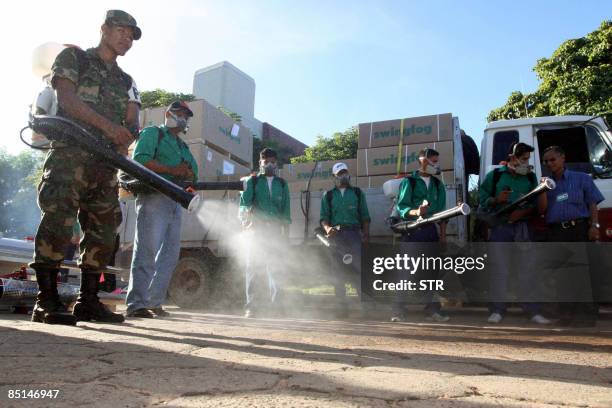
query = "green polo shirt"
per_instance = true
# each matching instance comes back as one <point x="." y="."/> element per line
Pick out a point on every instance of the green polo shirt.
<point x="267" y="205"/>
<point x="519" y="184"/>
<point x="171" y="150"/>
<point x="345" y="208"/>
<point x="410" y="200"/>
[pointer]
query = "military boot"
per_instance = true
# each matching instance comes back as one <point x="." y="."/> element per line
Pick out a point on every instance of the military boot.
<point x="48" y="308"/>
<point x="88" y="307"/>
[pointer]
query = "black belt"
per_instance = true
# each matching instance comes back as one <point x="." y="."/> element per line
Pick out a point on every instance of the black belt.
<point x="569" y="223"/>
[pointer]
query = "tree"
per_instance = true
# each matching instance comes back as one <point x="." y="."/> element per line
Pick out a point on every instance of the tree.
<point x="284" y="153"/>
<point x="233" y="115"/>
<point x="576" y="79"/>
<point x="341" y="145"/>
<point x="19" y="213"/>
<point x="161" y="97"/>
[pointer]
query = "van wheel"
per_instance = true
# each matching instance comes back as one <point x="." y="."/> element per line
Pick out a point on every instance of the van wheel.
<point x="190" y="284"/>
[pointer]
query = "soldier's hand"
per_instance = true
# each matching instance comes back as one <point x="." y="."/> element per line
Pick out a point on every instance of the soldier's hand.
<point x="119" y="135"/>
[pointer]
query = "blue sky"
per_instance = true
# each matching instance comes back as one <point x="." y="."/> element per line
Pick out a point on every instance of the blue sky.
<point x="319" y="66"/>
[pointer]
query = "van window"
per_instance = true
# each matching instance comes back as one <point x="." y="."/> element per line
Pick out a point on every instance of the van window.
<point x="585" y="151"/>
<point x="502" y="141"/>
<point x="600" y="153"/>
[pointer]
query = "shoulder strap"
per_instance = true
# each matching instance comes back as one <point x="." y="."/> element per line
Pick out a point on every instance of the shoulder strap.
<point x="329" y="195"/>
<point x="160" y="136"/>
<point x="496" y="176"/>
<point x="412" y="182"/>
<point x="532" y="178"/>
<point x="357" y="191"/>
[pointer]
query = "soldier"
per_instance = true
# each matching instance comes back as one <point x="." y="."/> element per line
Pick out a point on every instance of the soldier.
<point x="345" y="219"/>
<point x="264" y="206"/>
<point x="93" y="91"/>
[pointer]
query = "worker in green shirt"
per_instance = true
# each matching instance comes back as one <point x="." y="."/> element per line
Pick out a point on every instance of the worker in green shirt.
<point x="157" y="243"/>
<point x="421" y="194"/>
<point x="265" y="209"/>
<point x="346" y="221"/>
<point x="500" y="187"/>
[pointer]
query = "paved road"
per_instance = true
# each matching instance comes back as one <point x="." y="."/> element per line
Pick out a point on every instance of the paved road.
<point x="193" y="359"/>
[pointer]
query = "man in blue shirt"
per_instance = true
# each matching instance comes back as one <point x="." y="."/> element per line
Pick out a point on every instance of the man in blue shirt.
<point x="571" y="215"/>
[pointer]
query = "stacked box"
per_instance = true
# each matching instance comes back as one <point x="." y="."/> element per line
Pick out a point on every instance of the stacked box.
<point x="212" y="127"/>
<point x="297" y="175"/>
<point x="383" y="160"/>
<point x="423" y="129"/>
<point x="447" y="177"/>
<point x="381" y="147"/>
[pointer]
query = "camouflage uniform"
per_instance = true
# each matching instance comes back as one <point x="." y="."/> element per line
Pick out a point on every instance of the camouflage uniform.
<point x="73" y="181"/>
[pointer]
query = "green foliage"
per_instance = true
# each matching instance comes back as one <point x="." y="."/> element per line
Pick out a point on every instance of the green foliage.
<point x="160" y="97"/>
<point x="19" y="213"/>
<point x="284" y="153"/>
<point x="575" y="80"/>
<point x="341" y="145"/>
<point x="233" y="115"/>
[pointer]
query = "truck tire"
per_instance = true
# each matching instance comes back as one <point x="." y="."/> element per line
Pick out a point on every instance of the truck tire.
<point x="190" y="284"/>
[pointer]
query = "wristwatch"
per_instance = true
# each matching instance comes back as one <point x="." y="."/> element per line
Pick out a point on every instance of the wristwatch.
<point x="595" y="224"/>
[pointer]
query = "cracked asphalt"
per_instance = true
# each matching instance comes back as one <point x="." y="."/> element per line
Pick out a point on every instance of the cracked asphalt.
<point x="196" y="359"/>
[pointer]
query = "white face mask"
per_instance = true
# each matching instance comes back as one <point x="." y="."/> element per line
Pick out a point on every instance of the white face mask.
<point x="174" y="121"/>
<point x="521" y="169"/>
<point x="431" y="168"/>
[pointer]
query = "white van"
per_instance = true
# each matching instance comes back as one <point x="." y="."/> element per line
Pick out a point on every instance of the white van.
<point x="586" y="140"/>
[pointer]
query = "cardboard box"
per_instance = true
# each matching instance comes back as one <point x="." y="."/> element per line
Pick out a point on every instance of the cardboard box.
<point x="212" y="126"/>
<point x="383" y="160"/>
<point x="422" y="129"/>
<point x="447" y="177"/>
<point x="215" y="166"/>
<point x="301" y="172"/>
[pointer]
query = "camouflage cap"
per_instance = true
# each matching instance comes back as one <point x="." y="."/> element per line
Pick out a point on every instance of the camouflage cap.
<point x="121" y="18"/>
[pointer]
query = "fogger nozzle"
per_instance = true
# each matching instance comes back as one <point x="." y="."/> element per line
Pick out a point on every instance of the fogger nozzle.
<point x="65" y="130"/>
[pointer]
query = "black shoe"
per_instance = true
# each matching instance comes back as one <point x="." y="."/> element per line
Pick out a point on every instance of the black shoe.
<point x="144" y="313"/>
<point x="49" y="309"/>
<point x="158" y="312"/>
<point x="88" y="307"/>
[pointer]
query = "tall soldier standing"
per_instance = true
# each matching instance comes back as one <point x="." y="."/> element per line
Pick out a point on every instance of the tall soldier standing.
<point x="94" y="91"/>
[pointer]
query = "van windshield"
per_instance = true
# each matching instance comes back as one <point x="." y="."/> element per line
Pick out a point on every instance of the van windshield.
<point x="585" y="149"/>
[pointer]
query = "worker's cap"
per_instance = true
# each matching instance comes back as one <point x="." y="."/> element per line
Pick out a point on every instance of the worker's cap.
<point x="338" y="167"/>
<point x="121" y="18"/>
<point x="178" y="106"/>
<point x="520" y="148"/>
